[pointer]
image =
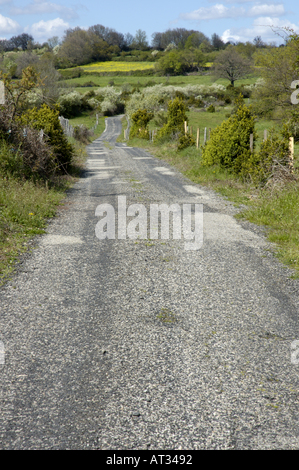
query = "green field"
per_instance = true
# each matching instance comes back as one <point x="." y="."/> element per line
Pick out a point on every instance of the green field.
<point x="119" y="81"/>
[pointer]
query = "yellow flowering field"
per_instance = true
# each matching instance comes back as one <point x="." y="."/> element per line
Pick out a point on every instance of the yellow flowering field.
<point x="114" y="66"/>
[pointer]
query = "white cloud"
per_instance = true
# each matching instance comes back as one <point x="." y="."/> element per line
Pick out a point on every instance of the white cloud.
<point x="261" y="27"/>
<point x="275" y="10"/>
<point x="214" y="12"/>
<point x="43" y="7"/>
<point x="221" y="11"/>
<point x="7" y="25"/>
<point x="45" y="29"/>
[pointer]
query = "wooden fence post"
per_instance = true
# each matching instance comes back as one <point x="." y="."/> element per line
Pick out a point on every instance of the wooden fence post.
<point x="185" y="123"/>
<point x="197" y="138"/>
<point x="205" y="136"/>
<point x="291" y="146"/>
<point x="265" y="135"/>
<point x="2" y="92"/>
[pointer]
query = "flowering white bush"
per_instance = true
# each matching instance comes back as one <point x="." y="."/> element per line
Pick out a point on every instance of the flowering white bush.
<point x="151" y="98"/>
<point x="56" y="49"/>
<point x="93" y="103"/>
<point x="69" y="103"/>
<point x="170" y="47"/>
<point x="110" y="97"/>
<point x="34" y="98"/>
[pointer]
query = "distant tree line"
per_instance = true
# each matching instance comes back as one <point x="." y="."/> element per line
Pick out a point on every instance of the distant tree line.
<point x="175" y="51"/>
<point x="22" y="41"/>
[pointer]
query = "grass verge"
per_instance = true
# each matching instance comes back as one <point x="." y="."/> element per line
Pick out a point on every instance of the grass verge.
<point x="25" y="208"/>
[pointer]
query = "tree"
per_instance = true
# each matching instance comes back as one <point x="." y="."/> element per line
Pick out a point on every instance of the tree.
<point x="128" y="41"/>
<point x="53" y="42"/>
<point x="195" y="40"/>
<point x="173" y="63"/>
<point x="231" y="65"/>
<point x="21" y="41"/>
<point x="217" y="42"/>
<point x="178" y="37"/>
<point x="157" y="41"/>
<point x="109" y="35"/>
<point x="246" y="49"/>
<point x="258" y="42"/>
<point x="81" y="47"/>
<point x="140" y="40"/>
<point x="76" y="48"/>
<point x="278" y="68"/>
<point x="49" y="77"/>
<point x="25" y="60"/>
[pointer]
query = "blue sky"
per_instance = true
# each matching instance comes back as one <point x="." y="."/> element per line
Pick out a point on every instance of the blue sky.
<point x="240" y="20"/>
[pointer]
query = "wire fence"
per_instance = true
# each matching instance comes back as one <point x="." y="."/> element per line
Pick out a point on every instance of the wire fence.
<point x="68" y="129"/>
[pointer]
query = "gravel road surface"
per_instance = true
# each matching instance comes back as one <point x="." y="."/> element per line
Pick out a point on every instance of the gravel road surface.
<point x="140" y="343"/>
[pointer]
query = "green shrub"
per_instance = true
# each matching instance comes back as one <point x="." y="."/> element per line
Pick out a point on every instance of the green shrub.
<point x="89" y="84"/>
<point x="46" y="119"/>
<point x="192" y="101"/>
<point x="140" y="119"/>
<point x="271" y="160"/>
<point x="70" y="104"/>
<point x="22" y="152"/>
<point x="176" y="116"/>
<point x="211" y="109"/>
<point x="229" y="144"/>
<point x="186" y="140"/>
<point x="82" y="134"/>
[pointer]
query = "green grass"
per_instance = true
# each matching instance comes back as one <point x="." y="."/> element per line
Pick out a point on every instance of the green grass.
<point x="24" y="209"/>
<point x="279" y="212"/>
<point x="143" y="80"/>
<point x="89" y="120"/>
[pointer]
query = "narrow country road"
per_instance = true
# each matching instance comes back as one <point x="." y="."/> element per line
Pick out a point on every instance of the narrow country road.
<point x="142" y="344"/>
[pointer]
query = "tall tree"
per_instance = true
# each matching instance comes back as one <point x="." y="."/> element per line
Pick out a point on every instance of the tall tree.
<point x="217" y="42"/>
<point x="21" y="41"/>
<point x="278" y="68"/>
<point x="258" y="42"/>
<point x="109" y="35"/>
<point x="231" y="65"/>
<point x="195" y="40"/>
<point x="140" y="40"/>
